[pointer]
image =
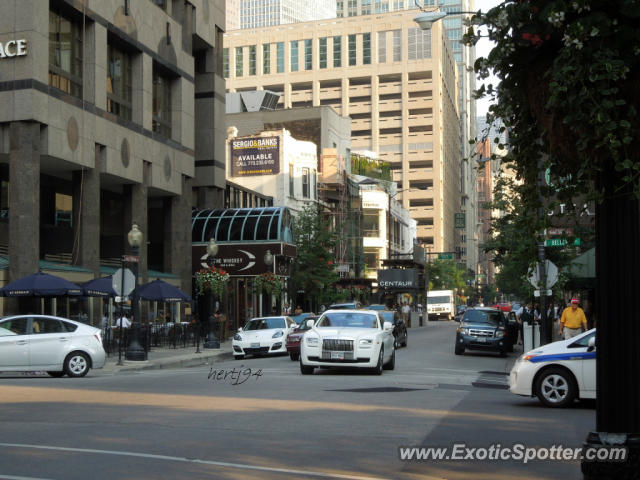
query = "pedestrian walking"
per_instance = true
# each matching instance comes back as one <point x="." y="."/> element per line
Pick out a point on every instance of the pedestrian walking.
<point x="573" y="320"/>
<point x="524" y="314"/>
<point x="123" y="322"/>
<point x="406" y="314"/>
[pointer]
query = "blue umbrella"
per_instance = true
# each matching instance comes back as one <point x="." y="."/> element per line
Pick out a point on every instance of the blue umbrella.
<point x="99" y="287"/>
<point x="40" y="285"/>
<point x="159" y="291"/>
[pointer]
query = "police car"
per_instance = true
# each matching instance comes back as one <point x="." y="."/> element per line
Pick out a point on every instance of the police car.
<point x="559" y="372"/>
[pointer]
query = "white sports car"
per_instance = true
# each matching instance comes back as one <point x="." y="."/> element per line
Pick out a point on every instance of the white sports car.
<point x="261" y="336"/>
<point x="559" y="372"/>
<point x="348" y="338"/>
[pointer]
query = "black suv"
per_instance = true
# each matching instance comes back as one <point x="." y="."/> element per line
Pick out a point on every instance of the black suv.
<point x="485" y="329"/>
<point x="399" y="328"/>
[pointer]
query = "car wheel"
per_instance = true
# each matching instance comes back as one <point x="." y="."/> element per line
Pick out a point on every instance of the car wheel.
<point x="391" y="364"/>
<point x="459" y="350"/>
<point x="238" y="357"/>
<point x="294" y="356"/>
<point x="56" y="374"/>
<point x="395" y="344"/>
<point x="76" y="364"/>
<point x="555" y="387"/>
<point x="377" y="370"/>
<point x="305" y="369"/>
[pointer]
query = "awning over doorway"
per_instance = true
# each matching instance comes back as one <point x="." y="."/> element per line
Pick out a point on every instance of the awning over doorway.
<point x="242" y="225"/>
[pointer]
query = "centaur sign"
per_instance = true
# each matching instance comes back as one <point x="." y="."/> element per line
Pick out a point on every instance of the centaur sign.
<point x="13" y="48"/>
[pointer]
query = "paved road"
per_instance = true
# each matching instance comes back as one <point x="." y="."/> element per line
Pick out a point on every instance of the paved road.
<point x="188" y="424"/>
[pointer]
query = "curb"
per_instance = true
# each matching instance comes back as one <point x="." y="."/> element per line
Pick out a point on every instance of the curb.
<point x="190" y="360"/>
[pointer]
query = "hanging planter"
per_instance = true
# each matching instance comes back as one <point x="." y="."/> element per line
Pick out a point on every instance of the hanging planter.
<point x="212" y="280"/>
<point x="268" y="282"/>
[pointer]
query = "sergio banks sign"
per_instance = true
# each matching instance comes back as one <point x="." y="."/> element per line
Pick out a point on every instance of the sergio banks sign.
<point x="13" y="48"/>
<point x="255" y="156"/>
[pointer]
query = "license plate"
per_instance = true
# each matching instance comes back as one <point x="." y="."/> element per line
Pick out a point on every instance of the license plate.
<point x="482" y="340"/>
<point x="255" y="345"/>
<point x="337" y="355"/>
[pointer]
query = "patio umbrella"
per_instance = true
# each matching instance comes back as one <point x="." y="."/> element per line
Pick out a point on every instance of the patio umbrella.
<point x="159" y="291"/>
<point x="40" y="285"/>
<point x="99" y="287"/>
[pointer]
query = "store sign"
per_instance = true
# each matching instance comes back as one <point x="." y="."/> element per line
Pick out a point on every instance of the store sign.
<point x="245" y="259"/>
<point x="255" y="156"/>
<point x="13" y="48"/>
<point x="399" y="279"/>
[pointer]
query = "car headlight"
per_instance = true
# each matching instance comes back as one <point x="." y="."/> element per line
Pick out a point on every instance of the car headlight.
<point x="463" y="330"/>
<point x="237" y="337"/>
<point x="278" y="334"/>
<point x="499" y="332"/>
<point x="312" y="341"/>
<point x="365" y="342"/>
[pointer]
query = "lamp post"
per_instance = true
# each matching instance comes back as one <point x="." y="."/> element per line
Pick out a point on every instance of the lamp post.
<point x="135" y="351"/>
<point x="212" y="340"/>
<point x="268" y="261"/>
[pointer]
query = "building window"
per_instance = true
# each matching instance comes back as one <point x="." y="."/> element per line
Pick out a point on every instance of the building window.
<point x="266" y="58"/>
<point x="225" y="63"/>
<point x="239" y="61"/>
<point x="161" y="3"/>
<point x="161" y="103"/>
<point x="305" y="183"/>
<point x="370" y="222"/>
<point x="308" y="54"/>
<point x="252" y="59"/>
<point x="365" y="7"/>
<point x="352" y="50"/>
<point x="280" y="57"/>
<point x="119" y="82"/>
<point x="397" y="45"/>
<point x="419" y="43"/>
<point x="314" y="183"/>
<point x="65" y="54"/>
<point x="337" y="52"/>
<point x="366" y="48"/>
<point x="322" y="49"/>
<point x="294" y="55"/>
<point x="382" y="47"/>
<point x="291" y="187"/>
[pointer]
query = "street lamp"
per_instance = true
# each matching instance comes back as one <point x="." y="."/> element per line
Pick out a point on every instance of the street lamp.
<point x="268" y="261"/>
<point x="212" y="341"/>
<point x="135" y="351"/>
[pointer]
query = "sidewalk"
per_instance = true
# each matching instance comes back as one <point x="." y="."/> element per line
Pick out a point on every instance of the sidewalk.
<point x="159" y="358"/>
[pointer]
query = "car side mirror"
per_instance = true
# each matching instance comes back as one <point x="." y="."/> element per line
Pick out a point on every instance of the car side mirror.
<point x="310" y="323"/>
<point x="388" y="326"/>
<point x="592" y="344"/>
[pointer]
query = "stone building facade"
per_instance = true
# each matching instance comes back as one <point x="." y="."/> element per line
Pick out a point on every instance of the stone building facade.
<point x="114" y="115"/>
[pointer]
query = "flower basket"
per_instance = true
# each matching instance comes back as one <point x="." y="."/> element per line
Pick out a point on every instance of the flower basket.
<point x="212" y="280"/>
<point x="268" y="282"/>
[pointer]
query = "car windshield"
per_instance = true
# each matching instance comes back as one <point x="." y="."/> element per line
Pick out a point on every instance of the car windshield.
<point x="301" y="317"/>
<point x="265" y="323"/>
<point x="442" y="299"/>
<point x="376" y="307"/>
<point x="483" y="316"/>
<point x="343" y="306"/>
<point x="387" y="316"/>
<point x="352" y="320"/>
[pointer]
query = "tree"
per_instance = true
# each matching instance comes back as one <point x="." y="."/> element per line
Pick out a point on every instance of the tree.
<point x="313" y="269"/>
<point x="568" y="96"/>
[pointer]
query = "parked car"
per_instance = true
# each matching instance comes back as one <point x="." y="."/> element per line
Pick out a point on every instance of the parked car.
<point x="56" y="345"/>
<point x="262" y="336"/>
<point x="301" y="317"/>
<point x="376" y="306"/>
<point x="345" y="306"/>
<point x="295" y="337"/>
<point x="399" y="328"/>
<point x="559" y="372"/>
<point x="485" y="328"/>
<point x="348" y="338"/>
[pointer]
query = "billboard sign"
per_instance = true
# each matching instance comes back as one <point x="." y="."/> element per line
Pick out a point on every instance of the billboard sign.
<point x="255" y="156"/>
<point x="398" y="279"/>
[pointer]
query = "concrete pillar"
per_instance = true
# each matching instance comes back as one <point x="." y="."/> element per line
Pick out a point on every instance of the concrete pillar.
<point x="177" y="235"/>
<point x="24" y="199"/>
<point x="86" y="215"/>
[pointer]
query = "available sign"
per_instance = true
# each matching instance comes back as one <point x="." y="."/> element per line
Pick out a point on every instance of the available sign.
<point x="396" y="278"/>
<point x="13" y="48"/>
<point x="255" y="156"/>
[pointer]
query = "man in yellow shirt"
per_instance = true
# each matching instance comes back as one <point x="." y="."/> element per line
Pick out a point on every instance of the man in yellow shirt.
<point x="573" y="321"/>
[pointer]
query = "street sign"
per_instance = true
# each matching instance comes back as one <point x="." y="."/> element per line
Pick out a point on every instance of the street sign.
<point x="552" y="274"/>
<point x="123" y="288"/>
<point x="536" y="293"/>
<point x="560" y="242"/>
<point x="342" y="267"/>
<point x="445" y="256"/>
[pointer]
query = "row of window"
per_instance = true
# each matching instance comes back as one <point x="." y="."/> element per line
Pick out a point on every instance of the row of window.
<point x="301" y="52"/>
<point x="65" y="73"/>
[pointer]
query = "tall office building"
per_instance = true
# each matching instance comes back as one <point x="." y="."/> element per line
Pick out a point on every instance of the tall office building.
<point x="264" y="13"/>
<point x="465" y="58"/>
<point x="396" y="82"/>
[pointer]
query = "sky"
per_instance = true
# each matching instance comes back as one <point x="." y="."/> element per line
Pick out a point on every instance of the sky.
<point x="483" y="47"/>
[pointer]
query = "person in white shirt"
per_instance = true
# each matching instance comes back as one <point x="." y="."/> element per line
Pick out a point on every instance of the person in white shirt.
<point x="406" y="314"/>
<point x="123" y="322"/>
